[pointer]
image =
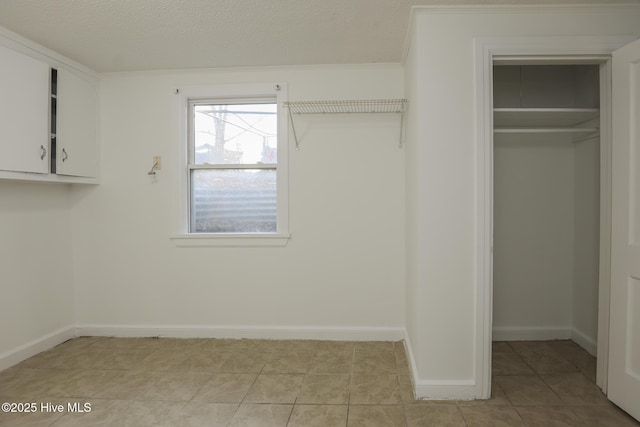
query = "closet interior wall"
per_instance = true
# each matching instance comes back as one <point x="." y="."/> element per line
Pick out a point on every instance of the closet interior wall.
<point x="546" y="203"/>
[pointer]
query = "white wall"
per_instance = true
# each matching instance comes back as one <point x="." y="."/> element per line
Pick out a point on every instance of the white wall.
<point x="444" y="143"/>
<point x="35" y="261"/>
<point x="533" y="236"/>
<point x="586" y="243"/>
<point x="342" y="268"/>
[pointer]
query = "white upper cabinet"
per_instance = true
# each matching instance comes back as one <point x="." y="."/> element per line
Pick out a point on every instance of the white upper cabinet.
<point x="75" y="142"/>
<point x="24" y="113"/>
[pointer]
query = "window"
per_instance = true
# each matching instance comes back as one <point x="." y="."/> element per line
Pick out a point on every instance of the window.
<point x="236" y="184"/>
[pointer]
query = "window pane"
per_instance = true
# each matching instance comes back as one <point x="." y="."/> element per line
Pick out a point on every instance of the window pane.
<point x="235" y="133"/>
<point x="233" y="201"/>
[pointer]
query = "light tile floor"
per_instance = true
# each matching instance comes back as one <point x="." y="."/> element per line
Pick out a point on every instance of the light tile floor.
<point x="198" y="382"/>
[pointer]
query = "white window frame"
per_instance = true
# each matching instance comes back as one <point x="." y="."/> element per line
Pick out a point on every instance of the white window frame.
<point x="184" y="95"/>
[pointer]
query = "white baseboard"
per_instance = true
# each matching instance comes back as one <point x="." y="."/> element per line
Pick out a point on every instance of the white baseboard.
<point x="446" y="390"/>
<point x="585" y="341"/>
<point x="33" y="347"/>
<point x="438" y="389"/>
<point x="507" y="333"/>
<point x="256" y="332"/>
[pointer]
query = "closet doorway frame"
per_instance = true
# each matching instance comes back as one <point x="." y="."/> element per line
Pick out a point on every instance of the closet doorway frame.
<point x="541" y="51"/>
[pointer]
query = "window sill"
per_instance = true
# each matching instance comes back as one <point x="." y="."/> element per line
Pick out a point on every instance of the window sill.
<point x="230" y="240"/>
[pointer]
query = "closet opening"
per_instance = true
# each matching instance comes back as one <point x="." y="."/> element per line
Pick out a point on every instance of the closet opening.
<point x="548" y="196"/>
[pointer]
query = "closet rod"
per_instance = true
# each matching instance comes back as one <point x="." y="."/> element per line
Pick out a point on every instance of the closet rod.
<point x="546" y="130"/>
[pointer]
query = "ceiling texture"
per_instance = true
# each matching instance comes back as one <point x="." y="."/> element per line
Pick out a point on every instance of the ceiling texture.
<point x="140" y="35"/>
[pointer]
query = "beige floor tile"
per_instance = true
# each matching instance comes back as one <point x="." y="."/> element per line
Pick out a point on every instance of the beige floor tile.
<point x="441" y="416"/>
<point x="204" y="361"/>
<point x="376" y="416"/>
<point x="149" y="413"/>
<point x="374" y="346"/>
<point x="257" y="415"/>
<point x="541" y="357"/>
<point x="527" y="390"/>
<point x="244" y="362"/>
<point x="294" y="346"/>
<point x="36" y="384"/>
<point x="129" y="385"/>
<point x="294" y="362"/>
<point x="81" y="384"/>
<point x="119" y="342"/>
<point x="275" y="388"/>
<point x="83" y="358"/>
<point x="321" y="377"/>
<point x="225" y="388"/>
<point x="335" y="346"/>
<point x="604" y="416"/>
<point x="374" y="362"/>
<point x="575" y="389"/>
<point x="262" y="346"/>
<point x="375" y="390"/>
<point x="224" y="344"/>
<point x="491" y="416"/>
<point x="12" y="378"/>
<point x="120" y="358"/>
<point x="164" y="359"/>
<point x="549" y="416"/>
<point x="505" y="361"/>
<point x="318" y="416"/>
<point x="498" y="397"/>
<point x="573" y="353"/>
<point x="325" y="389"/>
<point x="104" y="412"/>
<point x="207" y="414"/>
<point x="38" y="418"/>
<point x="78" y="343"/>
<point x="407" y="395"/>
<point x="177" y="386"/>
<point x="402" y="363"/>
<point x="331" y="362"/>
<point x="194" y="344"/>
<point x="45" y="360"/>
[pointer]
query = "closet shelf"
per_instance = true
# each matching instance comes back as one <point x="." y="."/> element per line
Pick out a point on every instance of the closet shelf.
<point x="547" y="130"/>
<point x="349" y="106"/>
<point x="542" y="117"/>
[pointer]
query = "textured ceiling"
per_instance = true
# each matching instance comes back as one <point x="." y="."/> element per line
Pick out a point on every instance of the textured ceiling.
<point x="135" y="35"/>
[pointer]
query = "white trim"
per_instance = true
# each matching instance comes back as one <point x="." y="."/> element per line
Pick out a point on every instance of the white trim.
<point x="606" y="146"/>
<point x="508" y="333"/>
<point x="230" y="240"/>
<point x="585" y="341"/>
<point x="446" y="390"/>
<point x="33" y="347"/>
<point x="347" y="333"/>
<point x="485" y="50"/>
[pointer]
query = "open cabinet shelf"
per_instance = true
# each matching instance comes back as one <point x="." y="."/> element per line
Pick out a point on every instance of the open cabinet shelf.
<point x="545" y="120"/>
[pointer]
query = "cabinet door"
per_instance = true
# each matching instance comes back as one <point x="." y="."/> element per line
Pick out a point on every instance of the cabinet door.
<point x="76" y="138"/>
<point x="24" y="113"/>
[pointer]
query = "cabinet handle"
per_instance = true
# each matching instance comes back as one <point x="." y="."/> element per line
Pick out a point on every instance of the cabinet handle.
<point x="43" y="152"/>
<point x="65" y="156"/>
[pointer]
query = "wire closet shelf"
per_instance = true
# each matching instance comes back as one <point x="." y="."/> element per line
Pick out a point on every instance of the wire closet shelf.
<point x="348" y="106"/>
<point x="352" y="106"/>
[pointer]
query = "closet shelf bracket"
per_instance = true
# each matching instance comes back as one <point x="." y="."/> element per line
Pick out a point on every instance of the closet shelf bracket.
<point x="362" y="106"/>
